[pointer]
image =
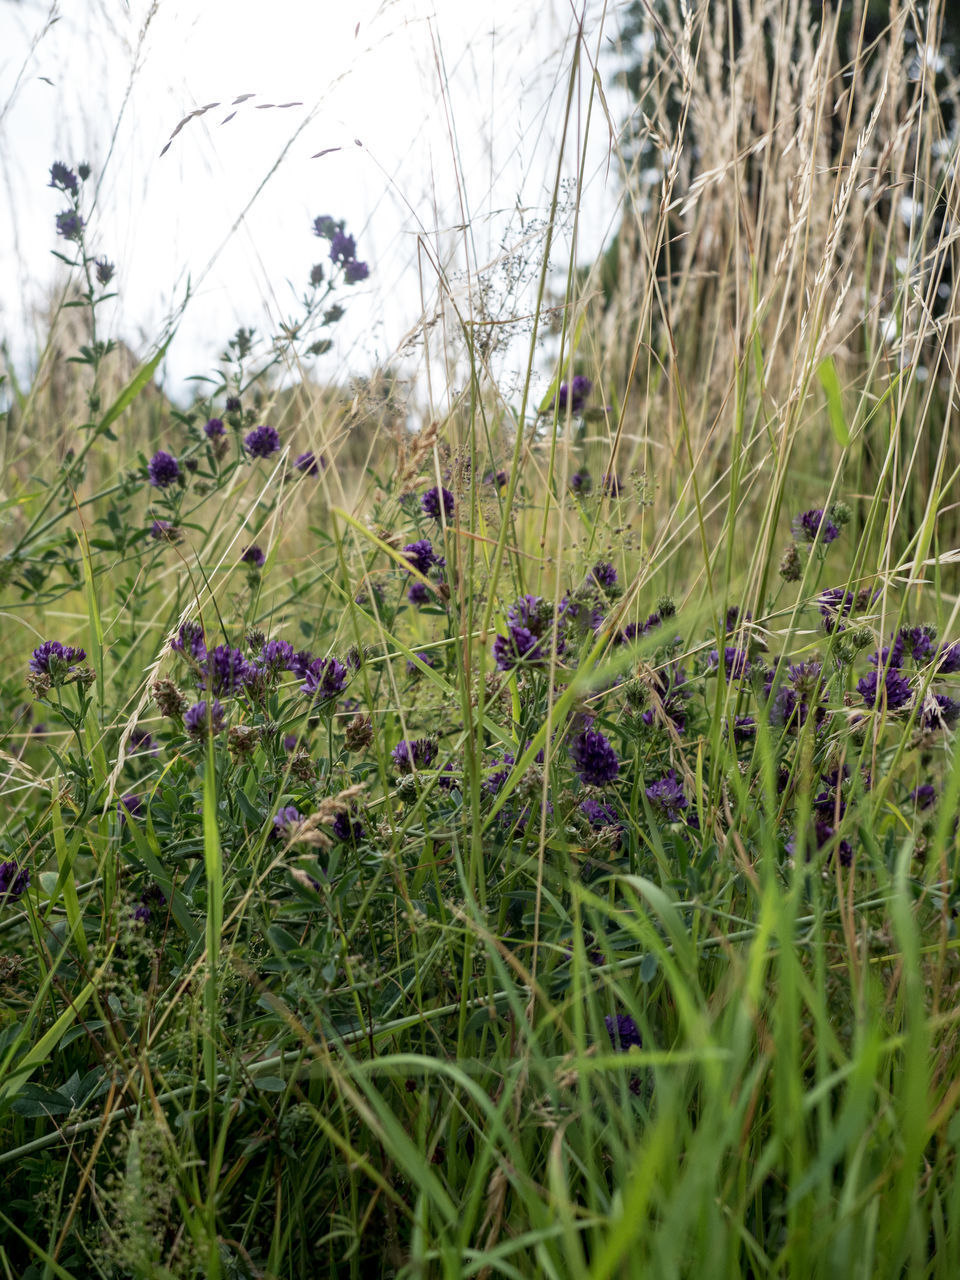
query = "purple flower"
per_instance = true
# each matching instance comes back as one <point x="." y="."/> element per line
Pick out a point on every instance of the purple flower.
<point x="165" y="531"/>
<point x="275" y="656"/>
<point x="600" y="815"/>
<point x="300" y="662"/>
<point x="347" y="829"/>
<point x="580" y="482"/>
<point x="575" y="394"/>
<point x="421" y="555"/>
<point x="582" y="615"/>
<point x="309" y="463"/>
<point x="808" y="524"/>
<point x="670" y="688"/>
<point x="142" y="742"/>
<point x="131" y="803"/>
<point x="325" y="226"/>
<point x="611" y="484"/>
<point x="744" y="729"/>
<point x="806" y="678"/>
<point x="227" y="670"/>
<point x="919" y="642"/>
<point x="623" y="1032"/>
<point x="410" y="754"/>
<point x="189" y="639"/>
<point x="735" y="662"/>
<point x="105" y="271"/>
<point x="924" y="796"/>
<point x="519" y="645"/>
<point x="213" y="428"/>
<point x="55" y="659"/>
<point x="262" y="441"/>
<point x="233" y="404"/>
<point x="152" y="894"/>
<point x="948" y="659"/>
<point x="594" y="758"/>
<point x="497" y="478"/>
<point x="895" y="686"/>
<point x="70" y="225"/>
<point x="63" y="178"/>
<point x="163" y="469"/>
<point x="784" y="706"/>
<point x="14" y="881"/>
<point x="195" y="719"/>
<point x="431" y="500"/>
<point x="667" y="798"/>
<point x="939" y="712"/>
<point x="890" y="655"/>
<point x="286" y="819"/>
<point x="603" y="574"/>
<point x="253" y="555"/>
<point x="354" y="272"/>
<point x="836" y="604"/>
<point x="498" y="776"/>
<point x="428" y="659"/>
<point x="324" y="679"/>
<point x="418" y="594"/>
<point x="343" y="248"/>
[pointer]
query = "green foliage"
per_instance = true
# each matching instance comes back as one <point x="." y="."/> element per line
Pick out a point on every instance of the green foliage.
<point x="532" y="854"/>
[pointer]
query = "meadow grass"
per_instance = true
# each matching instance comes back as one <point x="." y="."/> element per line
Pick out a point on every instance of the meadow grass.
<point x="526" y="846"/>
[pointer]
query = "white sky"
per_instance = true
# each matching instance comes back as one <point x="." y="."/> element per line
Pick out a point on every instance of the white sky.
<point x="108" y="81"/>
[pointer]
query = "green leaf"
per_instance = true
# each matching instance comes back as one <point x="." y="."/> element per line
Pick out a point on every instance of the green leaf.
<point x="133" y="387"/>
<point x="827" y="375"/>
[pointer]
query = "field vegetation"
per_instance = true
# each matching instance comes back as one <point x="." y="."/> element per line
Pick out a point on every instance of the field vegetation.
<point x="503" y="834"/>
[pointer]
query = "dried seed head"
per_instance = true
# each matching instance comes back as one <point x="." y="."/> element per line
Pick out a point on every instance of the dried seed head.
<point x="170" y="701"/>
<point x="359" y="733"/>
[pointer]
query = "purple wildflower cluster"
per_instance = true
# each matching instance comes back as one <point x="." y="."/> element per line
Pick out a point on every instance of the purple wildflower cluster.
<point x="530" y="626"/>
<point x="286" y="820"/>
<point x="435" y="500"/>
<point x="309" y="463"/>
<point x="200" y="715"/>
<point x="736" y="662"/>
<point x="623" y="1032"/>
<point x="343" y="251"/>
<point x="324" y="679"/>
<point x="347" y="828"/>
<point x="573" y="395"/>
<point x="55" y="659"/>
<point x="262" y="441"/>
<point x="667" y="797"/>
<point x="163" y="470"/>
<point x="14" y="881"/>
<point x="809" y="525"/>
<point x="254" y="557"/>
<point x="412" y="754"/>
<point x="152" y="896"/>
<point x="594" y="758"/>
